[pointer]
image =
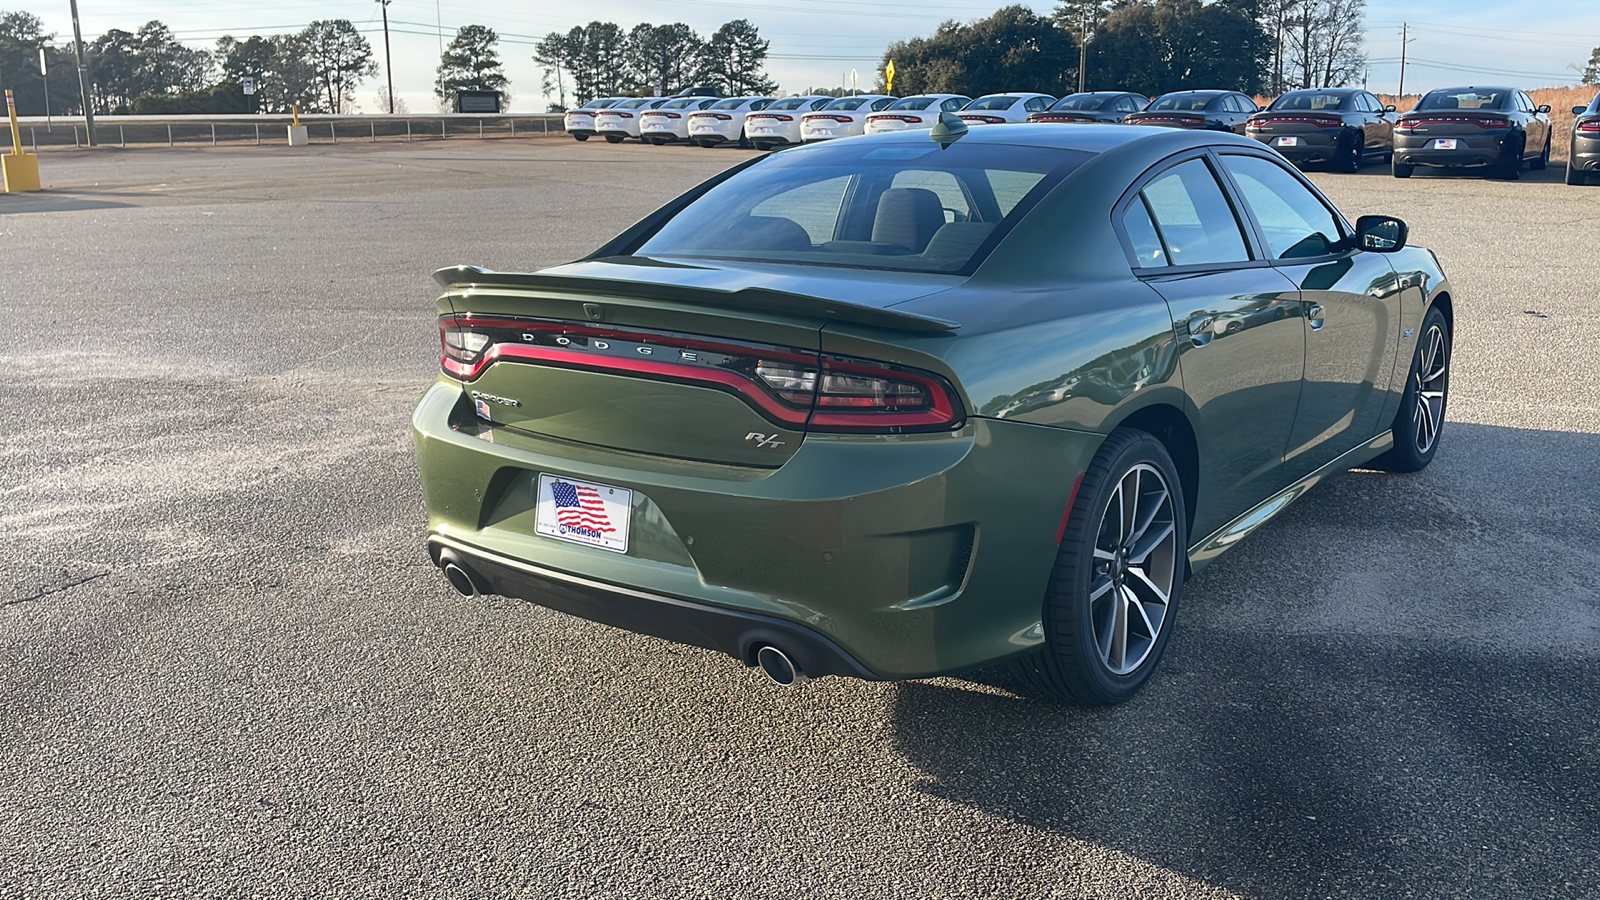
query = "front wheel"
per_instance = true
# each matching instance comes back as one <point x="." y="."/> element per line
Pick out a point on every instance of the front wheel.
<point x="1420" y="419"/>
<point x="1110" y="604"/>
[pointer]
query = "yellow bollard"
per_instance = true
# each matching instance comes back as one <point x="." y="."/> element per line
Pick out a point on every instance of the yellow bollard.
<point x="21" y="169"/>
<point x="297" y="132"/>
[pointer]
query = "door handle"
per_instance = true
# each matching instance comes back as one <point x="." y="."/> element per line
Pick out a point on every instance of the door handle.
<point x="1314" y="317"/>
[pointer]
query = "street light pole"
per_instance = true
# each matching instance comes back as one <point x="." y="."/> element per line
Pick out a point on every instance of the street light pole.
<point x="388" y="60"/>
<point x="44" y="71"/>
<point x="83" y="75"/>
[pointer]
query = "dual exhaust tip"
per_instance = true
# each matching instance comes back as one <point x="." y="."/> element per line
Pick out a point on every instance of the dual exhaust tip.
<point x="773" y="662"/>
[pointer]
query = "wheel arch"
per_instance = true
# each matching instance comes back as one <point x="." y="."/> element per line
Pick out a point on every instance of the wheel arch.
<point x="1171" y="426"/>
<point x="1447" y="306"/>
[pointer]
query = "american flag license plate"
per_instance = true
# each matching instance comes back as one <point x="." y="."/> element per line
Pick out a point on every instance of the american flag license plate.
<point x="583" y="512"/>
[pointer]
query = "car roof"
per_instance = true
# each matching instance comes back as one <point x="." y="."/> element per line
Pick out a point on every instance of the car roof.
<point x="1088" y="140"/>
<point x="1473" y="87"/>
<point x="1337" y="90"/>
<point x="1202" y="93"/>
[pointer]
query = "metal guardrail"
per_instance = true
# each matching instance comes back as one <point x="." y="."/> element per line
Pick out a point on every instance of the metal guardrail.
<point x="173" y="131"/>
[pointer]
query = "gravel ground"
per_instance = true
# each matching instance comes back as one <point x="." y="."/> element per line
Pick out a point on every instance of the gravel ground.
<point x="226" y="668"/>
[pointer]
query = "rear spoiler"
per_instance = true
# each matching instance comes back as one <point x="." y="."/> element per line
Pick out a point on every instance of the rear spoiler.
<point x="749" y="299"/>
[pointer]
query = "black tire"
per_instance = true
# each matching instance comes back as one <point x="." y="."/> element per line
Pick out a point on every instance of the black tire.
<point x="1350" y="153"/>
<point x="1542" y="162"/>
<point x="580" y="137"/>
<point x="1573" y="175"/>
<point x="1401" y="170"/>
<point x="656" y="142"/>
<point x="1411" y="452"/>
<point x="1075" y="662"/>
<point x="1510" y="167"/>
<point x="763" y="146"/>
<point x="707" y="144"/>
<point x="744" y="142"/>
<point x="613" y="138"/>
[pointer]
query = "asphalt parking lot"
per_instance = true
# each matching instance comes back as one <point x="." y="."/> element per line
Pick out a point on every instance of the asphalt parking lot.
<point x="227" y="669"/>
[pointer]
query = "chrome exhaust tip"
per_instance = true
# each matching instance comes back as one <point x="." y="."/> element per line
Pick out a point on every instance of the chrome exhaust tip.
<point x="777" y="666"/>
<point x="461" y="580"/>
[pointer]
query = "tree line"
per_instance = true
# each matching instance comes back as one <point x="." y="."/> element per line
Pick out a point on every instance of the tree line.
<point x="1150" y="46"/>
<point x="150" y="72"/>
<point x="602" y="59"/>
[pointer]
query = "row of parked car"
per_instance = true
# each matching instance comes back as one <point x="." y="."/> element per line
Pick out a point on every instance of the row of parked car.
<point x="1498" y="130"/>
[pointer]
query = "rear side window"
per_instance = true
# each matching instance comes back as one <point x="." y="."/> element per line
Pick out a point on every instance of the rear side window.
<point x="1192" y="216"/>
<point x="1141" y="229"/>
<point x="1297" y="225"/>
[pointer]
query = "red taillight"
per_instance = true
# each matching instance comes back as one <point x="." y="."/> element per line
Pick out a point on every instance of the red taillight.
<point x="778" y="116"/>
<point x="828" y="116"/>
<point x="790" y="387"/>
<point x="624" y="115"/>
<point x="1059" y="117"/>
<point x="1171" y="121"/>
<point x="1480" y="121"/>
<point x="895" y="118"/>
<point x="723" y="116"/>
<point x="986" y="120"/>
<point x="1319" y="121"/>
<point x="1589" y="125"/>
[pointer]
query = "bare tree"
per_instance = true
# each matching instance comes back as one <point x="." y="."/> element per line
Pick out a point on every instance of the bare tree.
<point x="1325" y="44"/>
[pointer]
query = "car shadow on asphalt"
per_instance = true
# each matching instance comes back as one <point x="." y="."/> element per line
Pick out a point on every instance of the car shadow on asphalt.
<point x="1422" y="727"/>
<point x="53" y="201"/>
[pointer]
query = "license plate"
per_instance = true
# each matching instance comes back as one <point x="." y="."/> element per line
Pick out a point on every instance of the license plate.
<point x="764" y="129"/>
<point x="1444" y="143"/>
<point x="822" y="132"/>
<point x="1288" y="141"/>
<point x="583" y="512"/>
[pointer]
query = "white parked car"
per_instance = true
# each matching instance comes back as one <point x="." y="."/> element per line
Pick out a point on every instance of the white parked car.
<point x="723" y="121"/>
<point x="670" y="121"/>
<point x="911" y="113"/>
<point x="1004" y="109"/>
<point x="621" y="120"/>
<point x="580" y="122"/>
<point x="779" y="123"/>
<point x="844" y="117"/>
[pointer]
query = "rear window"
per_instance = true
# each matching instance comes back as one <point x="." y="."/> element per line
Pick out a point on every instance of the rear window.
<point x="913" y="103"/>
<point x="1311" y="101"/>
<point x="598" y="103"/>
<point x="1456" y="98"/>
<point x="635" y="103"/>
<point x="847" y="103"/>
<point x="789" y="103"/>
<point x="681" y="103"/>
<point x="864" y="204"/>
<point x="993" y="103"/>
<point x="730" y="103"/>
<point x="1082" y="101"/>
<point x="1189" y="102"/>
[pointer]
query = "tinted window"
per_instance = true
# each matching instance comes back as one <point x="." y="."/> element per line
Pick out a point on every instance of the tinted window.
<point x="904" y="207"/>
<point x="763" y="103"/>
<point x="953" y="104"/>
<point x="1142" y="234"/>
<point x="1188" y="102"/>
<point x="993" y="102"/>
<point x="881" y="104"/>
<point x="1035" y="104"/>
<point x="789" y="103"/>
<point x="1081" y="101"/>
<point x="681" y="103"/>
<point x="1128" y="104"/>
<point x="635" y="103"/>
<point x="913" y="103"/>
<point x="730" y="103"/>
<point x="818" y="104"/>
<point x="1196" y="224"/>
<point x="1311" y="100"/>
<point x="1464" y="98"/>
<point x="1296" y="223"/>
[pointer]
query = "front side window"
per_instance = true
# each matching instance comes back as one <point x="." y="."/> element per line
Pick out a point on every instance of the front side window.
<point x="1297" y="225"/>
<point x="903" y="207"/>
<point x="1192" y="215"/>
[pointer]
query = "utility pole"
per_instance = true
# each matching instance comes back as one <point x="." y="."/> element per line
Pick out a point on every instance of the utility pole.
<point x="388" y="61"/>
<point x="1083" y="48"/>
<point x="44" y="71"/>
<point x="1404" y="40"/>
<point x="83" y="75"/>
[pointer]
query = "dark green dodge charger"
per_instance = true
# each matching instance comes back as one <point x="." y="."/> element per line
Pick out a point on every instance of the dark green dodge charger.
<point x="902" y="405"/>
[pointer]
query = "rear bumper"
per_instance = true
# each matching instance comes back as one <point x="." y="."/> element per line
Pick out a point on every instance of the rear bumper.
<point x="1586" y="154"/>
<point x="1470" y="152"/>
<point x="1308" y="148"/>
<point x="914" y="555"/>
<point x="738" y="634"/>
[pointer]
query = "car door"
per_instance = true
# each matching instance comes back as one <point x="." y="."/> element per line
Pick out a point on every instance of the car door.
<point x="1242" y="350"/>
<point x="1350" y="302"/>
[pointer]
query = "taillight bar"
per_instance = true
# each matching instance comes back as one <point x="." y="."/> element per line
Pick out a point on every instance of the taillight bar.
<point x="779" y="116"/>
<point x="787" y="386"/>
<point x="723" y="116"/>
<point x="987" y="120"/>
<point x="1180" y="121"/>
<point x="895" y="118"/>
<point x="1319" y="121"/>
<point x="835" y="118"/>
<point x="1059" y="117"/>
<point x="1481" y="122"/>
<point x="1588" y="125"/>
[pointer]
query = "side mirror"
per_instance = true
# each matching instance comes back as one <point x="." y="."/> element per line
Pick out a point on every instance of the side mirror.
<point x="1543" y="108"/>
<point x="1381" y="234"/>
<point x="1390" y="108"/>
<point x="1579" y="110"/>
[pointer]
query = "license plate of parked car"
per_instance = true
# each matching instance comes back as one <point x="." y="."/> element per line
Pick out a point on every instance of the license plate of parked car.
<point x="1288" y="141"/>
<point x="1444" y="144"/>
<point x="583" y="512"/>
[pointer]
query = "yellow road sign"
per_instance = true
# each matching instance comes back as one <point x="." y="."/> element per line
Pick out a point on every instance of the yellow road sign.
<point x="888" y="77"/>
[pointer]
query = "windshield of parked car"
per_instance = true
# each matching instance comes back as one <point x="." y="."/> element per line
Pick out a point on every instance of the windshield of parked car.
<point x="1190" y="102"/>
<point x="1083" y="101"/>
<point x="993" y="103"/>
<point x="1312" y="101"/>
<point x="867" y="204"/>
<point x="847" y="103"/>
<point x="730" y="103"/>
<point x="790" y="103"/>
<point x="1456" y="98"/>
<point x="913" y="103"/>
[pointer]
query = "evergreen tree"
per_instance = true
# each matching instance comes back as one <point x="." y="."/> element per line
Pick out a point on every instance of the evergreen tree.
<point x="471" y="63"/>
<point x="21" y="36"/>
<point x="734" y="60"/>
<point x="340" y="58"/>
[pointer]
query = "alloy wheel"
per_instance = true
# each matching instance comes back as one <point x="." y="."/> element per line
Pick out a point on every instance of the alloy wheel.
<point x="1135" y="567"/>
<point x="1433" y="375"/>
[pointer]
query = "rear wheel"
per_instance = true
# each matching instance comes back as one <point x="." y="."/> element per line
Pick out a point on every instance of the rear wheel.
<point x="1510" y="167"/>
<point x="1543" y="162"/>
<point x="613" y="138"/>
<point x="655" y="141"/>
<point x="1109" y="607"/>
<point x="580" y="137"/>
<point x="1573" y="175"/>
<point x="1401" y="170"/>
<point x="1349" y="159"/>
<point x="1420" y="419"/>
<point x="763" y="146"/>
<point x="706" y="144"/>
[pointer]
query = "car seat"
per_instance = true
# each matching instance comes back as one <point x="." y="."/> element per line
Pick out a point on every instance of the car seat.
<point x="908" y="217"/>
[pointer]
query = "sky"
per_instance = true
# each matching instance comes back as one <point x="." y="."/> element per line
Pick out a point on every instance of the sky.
<point x="818" y="42"/>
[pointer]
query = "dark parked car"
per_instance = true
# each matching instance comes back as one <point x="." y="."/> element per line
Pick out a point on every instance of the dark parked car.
<point x="1214" y="110"/>
<point x="1341" y="126"/>
<point x="1583" y="159"/>
<point x="1492" y="128"/>
<point x="1108" y="107"/>
<point x="908" y="404"/>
